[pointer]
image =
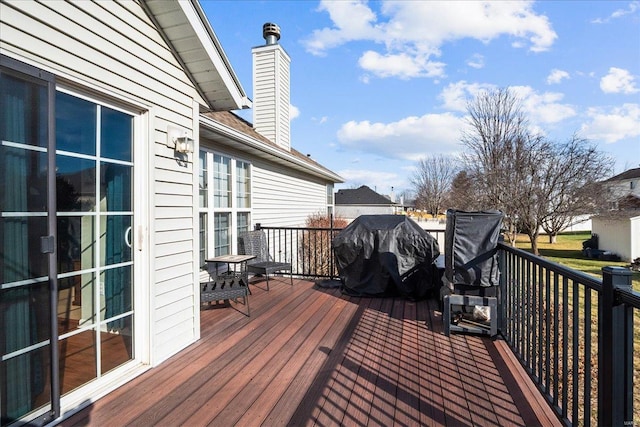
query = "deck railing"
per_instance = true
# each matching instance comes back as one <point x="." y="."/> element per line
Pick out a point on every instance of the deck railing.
<point x="573" y="333"/>
<point x="575" y="336"/>
<point x="308" y="249"/>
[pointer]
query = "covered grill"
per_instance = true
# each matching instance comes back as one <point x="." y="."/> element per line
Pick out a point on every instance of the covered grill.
<point x="383" y="255"/>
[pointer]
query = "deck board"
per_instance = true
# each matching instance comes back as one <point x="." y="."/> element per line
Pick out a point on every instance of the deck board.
<point x="311" y="356"/>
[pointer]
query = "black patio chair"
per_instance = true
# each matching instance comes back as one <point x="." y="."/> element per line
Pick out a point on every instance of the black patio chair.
<point x="255" y="243"/>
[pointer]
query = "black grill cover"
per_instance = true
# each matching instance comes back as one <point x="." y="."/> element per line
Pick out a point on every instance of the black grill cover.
<point x="382" y="255"/>
<point x="471" y="239"/>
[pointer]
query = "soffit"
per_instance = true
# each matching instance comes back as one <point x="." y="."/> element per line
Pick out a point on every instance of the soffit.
<point x="189" y="34"/>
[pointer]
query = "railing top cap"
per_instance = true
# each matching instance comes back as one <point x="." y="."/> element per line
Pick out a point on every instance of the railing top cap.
<point x="618" y="271"/>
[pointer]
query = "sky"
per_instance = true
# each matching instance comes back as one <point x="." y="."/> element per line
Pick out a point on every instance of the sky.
<point x="378" y="86"/>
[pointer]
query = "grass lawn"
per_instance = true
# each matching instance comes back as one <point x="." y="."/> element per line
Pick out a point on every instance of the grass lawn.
<point x="568" y="251"/>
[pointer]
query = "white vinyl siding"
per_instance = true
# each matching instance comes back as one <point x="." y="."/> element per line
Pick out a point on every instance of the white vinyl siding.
<point x="114" y="50"/>
<point x="271" y="104"/>
<point x="284" y="197"/>
<point x="618" y="235"/>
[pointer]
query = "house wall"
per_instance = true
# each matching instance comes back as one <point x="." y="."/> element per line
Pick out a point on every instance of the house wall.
<point x="625" y="187"/>
<point x="351" y="212"/>
<point x="618" y="235"/>
<point x="112" y="50"/>
<point x="285" y="198"/>
<point x="635" y="238"/>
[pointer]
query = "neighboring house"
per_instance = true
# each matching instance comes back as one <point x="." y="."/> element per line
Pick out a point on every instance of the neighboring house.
<point x="121" y="167"/>
<point x="619" y="229"/>
<point x="624" y="184"/>
<point x="351" y="203"/>
<point x="619" y="232"/>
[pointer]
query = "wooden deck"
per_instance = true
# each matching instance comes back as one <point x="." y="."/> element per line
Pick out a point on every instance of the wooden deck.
<point x="312" y="356"/>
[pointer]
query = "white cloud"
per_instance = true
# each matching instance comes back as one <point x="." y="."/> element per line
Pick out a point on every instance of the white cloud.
<point x="293" y="112"/>
<point x="614" y="125"/>
<point x="400" y="65"/>
<point x="540" y="108"/>
<point x="413" y="32"/>
<point x="456" y="95"/>
<point x="619" y="13"/>
<point x="618" y="81"/>
<point x="556" y="76"/>
<point x="476" y="61"/>
<point x="543" y="108"/>
<point x="410" y="138"/>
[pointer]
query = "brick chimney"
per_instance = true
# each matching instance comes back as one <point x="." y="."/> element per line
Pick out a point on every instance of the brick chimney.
<point x="271" y="82"/>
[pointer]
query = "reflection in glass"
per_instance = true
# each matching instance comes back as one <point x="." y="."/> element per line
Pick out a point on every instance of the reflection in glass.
<point x="77" y="360"/>
<point x="116" y="134"/>
<point x="115" y="187"/>
<point x="115" y="239"/>
<point x="22" y="257"/>
<point x="24" y="307"/>
<point x="25" y="384"/>
<point x="24" y="322"/>
<point x="243" y="183"/>
<point x="75" y="184"/>
<point x="75" y="243"/>
<point x="221" y="181"/>
<point x="222" y="231"/>
<point x="202" y="180"/>
<point x="24" y="180"/>
<point x="243" y="222"/>
<point x="117" y="348"/>
<point x="27" y="310"/>
<point x="75" y="124"/>
<point x="75" y="302"/>
<point x="23" y="111"/>
<point x="203" y="238"/>
<point x="117" y="296"/>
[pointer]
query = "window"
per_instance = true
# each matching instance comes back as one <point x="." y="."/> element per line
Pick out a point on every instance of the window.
<point x="330" y="199"/>
<point x="226" y="210"/>
<point x="330" y="194"/>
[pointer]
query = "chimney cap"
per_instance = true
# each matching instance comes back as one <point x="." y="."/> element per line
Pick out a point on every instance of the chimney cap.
<point x="271" y="33"/>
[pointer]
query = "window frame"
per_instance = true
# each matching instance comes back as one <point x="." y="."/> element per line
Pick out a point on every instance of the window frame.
<point x="208" y="212"/>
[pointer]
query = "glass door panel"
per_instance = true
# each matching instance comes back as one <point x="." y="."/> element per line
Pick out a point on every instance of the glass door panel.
<point x="94" y="172"/>
<point x="25" y="306"/>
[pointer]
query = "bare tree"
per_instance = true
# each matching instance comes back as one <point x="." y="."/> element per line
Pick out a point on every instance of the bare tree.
<point x="463" y="193"/>
<point x="572" y="188"/>
<point x="535" y="182"/>
<point x="432" y="181"/>
<point x="498" y="143"/>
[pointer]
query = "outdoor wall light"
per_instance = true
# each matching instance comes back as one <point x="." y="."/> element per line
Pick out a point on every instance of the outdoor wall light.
<point x="179" y="140"/>
<point x="184" y="144"/>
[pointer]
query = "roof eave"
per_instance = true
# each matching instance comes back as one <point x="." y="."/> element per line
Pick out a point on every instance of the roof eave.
<point x="246" y="143"/>
<point x="199" y="51"/>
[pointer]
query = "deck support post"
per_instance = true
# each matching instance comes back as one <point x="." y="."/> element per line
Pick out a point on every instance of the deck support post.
<point x="615" y="350"/>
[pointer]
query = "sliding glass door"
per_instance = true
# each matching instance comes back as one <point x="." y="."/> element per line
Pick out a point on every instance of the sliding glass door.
<point x="66" y="266"/>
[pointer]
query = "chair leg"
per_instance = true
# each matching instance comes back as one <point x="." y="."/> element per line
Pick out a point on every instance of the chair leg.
<point x="267" y="280"/>
<point x="291" y="276"/>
